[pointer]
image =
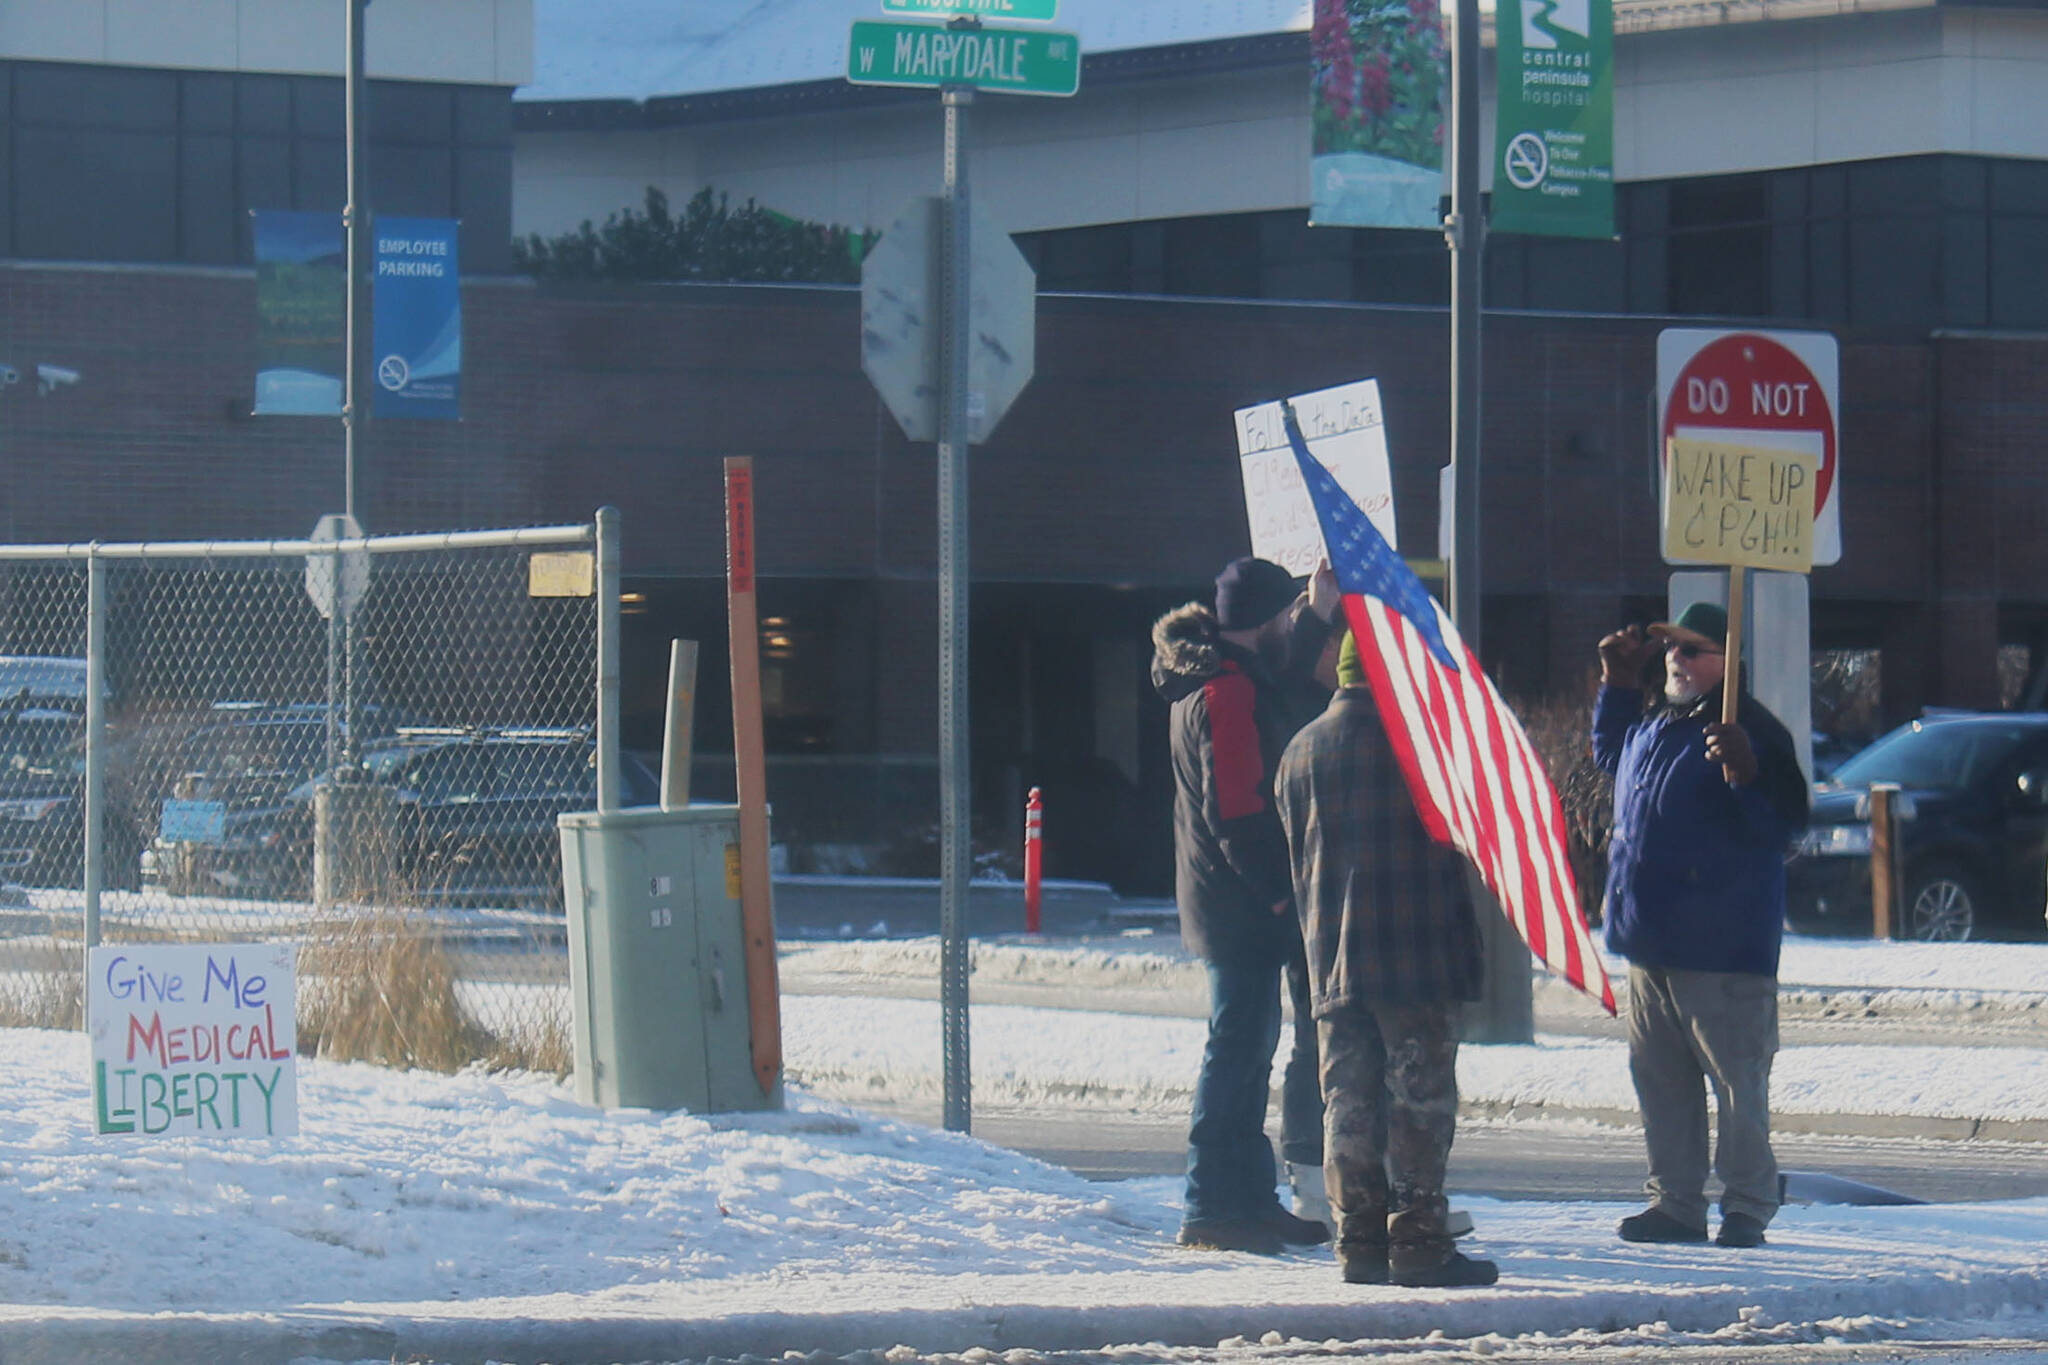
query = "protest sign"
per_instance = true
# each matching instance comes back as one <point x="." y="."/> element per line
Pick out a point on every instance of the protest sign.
<point x="1346" y="432"/>
<point x="1739" y="505"/>
<point x="190" y="1040"/>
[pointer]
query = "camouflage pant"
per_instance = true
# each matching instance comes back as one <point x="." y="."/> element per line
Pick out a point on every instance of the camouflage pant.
<point x="1390" y="1091"/>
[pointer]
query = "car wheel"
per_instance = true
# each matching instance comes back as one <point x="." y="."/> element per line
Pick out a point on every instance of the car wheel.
<point x="1942" y="906"/>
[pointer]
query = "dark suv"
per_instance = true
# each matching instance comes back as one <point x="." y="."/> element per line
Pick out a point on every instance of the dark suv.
<point x="473" y="815"/>
<point x="1973" y="832"/>
<point x="42" y="780"/>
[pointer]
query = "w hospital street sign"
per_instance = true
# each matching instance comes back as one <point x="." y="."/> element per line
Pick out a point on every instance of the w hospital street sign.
<point x="1010" y="61"/>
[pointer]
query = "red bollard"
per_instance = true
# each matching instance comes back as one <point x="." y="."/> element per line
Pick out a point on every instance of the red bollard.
<point x="1034" y="859"/>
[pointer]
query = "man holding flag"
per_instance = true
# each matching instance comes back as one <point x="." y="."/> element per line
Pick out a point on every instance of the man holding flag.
<point x="1393" y="951"/>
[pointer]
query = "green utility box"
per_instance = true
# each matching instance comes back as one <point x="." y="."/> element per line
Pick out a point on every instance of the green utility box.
<point x="657" y="960"/>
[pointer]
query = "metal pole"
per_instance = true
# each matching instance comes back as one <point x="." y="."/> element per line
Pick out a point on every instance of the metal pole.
<point x="355" y="404"/>
<point x="95" y="742"/>
<point x="1506" y="1014"/>
<point x="607" y="659"/>
<point x="355" y="223"/>
<point x="954" y="796"/>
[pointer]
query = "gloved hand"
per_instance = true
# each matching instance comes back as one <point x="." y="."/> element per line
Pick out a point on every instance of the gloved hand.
<point x="1324" y="596"/>
<point x="1624" y="655"/>
<point x="1728" y="745"/>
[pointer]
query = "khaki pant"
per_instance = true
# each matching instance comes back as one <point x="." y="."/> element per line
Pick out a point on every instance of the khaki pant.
<point x="1390" y="1109"/>
<point x="1688" y="1031"/>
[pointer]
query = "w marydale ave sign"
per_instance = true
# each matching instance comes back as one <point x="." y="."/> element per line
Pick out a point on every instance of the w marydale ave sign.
<point x="1010" y="61"/>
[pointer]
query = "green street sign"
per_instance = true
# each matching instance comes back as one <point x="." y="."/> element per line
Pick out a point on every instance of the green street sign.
<point x="1036" y="10"/>
<point x="1016" y="61"/>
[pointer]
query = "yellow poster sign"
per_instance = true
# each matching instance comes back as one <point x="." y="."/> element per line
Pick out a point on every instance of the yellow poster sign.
<point x="1738" y="505"/>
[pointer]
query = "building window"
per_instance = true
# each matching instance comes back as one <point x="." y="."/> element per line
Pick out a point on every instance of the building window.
<point x="1718" y="253"/>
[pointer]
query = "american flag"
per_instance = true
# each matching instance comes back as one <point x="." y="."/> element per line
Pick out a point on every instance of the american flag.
<point x="1475" y="778"/>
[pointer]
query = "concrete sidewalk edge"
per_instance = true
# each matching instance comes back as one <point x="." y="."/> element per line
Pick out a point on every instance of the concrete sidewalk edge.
<point x="75" y="1337"/>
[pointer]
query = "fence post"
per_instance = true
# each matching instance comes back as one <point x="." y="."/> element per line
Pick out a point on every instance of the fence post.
<point x="95" y="739"/>
<point x="1884" y="860"/>
<point x="607" y="659"/>
<point x="1034" y="858"/>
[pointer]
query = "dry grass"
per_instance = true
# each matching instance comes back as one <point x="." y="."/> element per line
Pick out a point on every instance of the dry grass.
<point x="1560" y="729"/>
<point x="377" y="989"/>
<point x="51" y="995"/>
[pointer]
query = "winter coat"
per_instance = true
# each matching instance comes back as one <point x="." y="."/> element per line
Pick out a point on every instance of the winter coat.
<point x="1695" y="868"/>
<point x="1386" y="911"/>
<point x="1230" y="718"/>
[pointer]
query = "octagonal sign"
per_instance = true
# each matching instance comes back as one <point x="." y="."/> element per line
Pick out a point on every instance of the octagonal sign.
<point x="899" y="320"/>
<point x="1775" y="390"/>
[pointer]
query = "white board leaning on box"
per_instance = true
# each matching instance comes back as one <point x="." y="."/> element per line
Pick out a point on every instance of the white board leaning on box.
<point x="1345" y="430"/>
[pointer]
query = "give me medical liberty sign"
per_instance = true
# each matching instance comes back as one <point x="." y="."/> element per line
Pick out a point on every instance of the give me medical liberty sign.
<point x="193" y="1040"/>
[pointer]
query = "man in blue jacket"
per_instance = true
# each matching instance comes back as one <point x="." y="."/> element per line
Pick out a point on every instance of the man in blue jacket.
<point x="1703" y="812"/>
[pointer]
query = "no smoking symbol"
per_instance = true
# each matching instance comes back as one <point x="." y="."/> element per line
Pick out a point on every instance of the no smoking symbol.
<point x="1526" y="161"/>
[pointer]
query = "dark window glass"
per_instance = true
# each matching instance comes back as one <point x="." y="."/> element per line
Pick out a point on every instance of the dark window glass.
<point x="1091" y="259"/>
<point x="1719" y="255"/>
<point x="483" y="115"/>
<point x="263" y="105"/>
<point x="1827" y="265"/>
<point x="2019" y="187"/>
<point x="412" y="181"/>
<point x="266" y="173"/>
<point x="1888" y="188"/>
<point x="403" y="111"/>
<point x="1215" y="257"/>
<point x="483" y="201"/>
<point x="206" y="103"/>
<point x="2020" y="266"/>
<point x="319" y="174"/>
<point x="1829" y="188"/>
<point x="206" y="201"/>
<point x="96" y="196"/>
<point x="1576" y="276"/>
<point x="1894" y="270"/>
<point x="1393" y="266"/>
<point x="1965" y="254"/>
<point x="1962" y="182"/>
<point x="318" y="107"/>
<point x="65" y="96"/>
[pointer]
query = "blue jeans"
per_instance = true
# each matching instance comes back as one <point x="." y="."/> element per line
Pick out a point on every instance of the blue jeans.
<point x="1231" y="1174"/>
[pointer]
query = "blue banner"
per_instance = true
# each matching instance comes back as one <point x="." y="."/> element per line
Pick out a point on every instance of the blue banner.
<point x="417" y="334"/>
<point x="301" y="313"/>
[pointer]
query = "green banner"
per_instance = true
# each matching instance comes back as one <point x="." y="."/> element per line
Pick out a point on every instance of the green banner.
<point x="1378" y="76"/>
<point x="1553" y="169"/>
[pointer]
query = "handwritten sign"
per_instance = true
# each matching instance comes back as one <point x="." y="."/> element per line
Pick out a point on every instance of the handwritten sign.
<point x="1345" y="430"/>
<point x="193" y="1040"/>
<point x="1739" y="505"/>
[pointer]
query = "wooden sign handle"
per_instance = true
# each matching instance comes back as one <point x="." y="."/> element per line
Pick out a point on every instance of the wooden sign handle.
<point x="1731" y="685"/>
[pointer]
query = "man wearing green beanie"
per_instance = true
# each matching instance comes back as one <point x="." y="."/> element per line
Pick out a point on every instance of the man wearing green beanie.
<point x="1393" y="954"/>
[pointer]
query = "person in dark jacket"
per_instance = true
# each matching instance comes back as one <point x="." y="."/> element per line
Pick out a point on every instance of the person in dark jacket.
<point x="1228" y="674"/>
<point x="1703" y="812"/>
<point x="1393" y="952"/>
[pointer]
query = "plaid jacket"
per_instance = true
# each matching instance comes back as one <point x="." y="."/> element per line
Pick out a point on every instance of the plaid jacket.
<point x="1386" y="911"/>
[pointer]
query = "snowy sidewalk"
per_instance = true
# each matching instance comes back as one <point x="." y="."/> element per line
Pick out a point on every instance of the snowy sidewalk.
<point x="476" y="1217"/>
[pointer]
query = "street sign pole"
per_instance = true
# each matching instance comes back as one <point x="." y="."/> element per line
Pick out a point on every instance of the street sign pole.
<point x="1505" y="1014"/>
<point x="954" y="802"/>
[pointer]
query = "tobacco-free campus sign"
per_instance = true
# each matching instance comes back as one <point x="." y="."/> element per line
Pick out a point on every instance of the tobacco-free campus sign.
<point x="193" y="1040"/>
<point x="1776" y="391"/>
<point x="1012" y="60"/>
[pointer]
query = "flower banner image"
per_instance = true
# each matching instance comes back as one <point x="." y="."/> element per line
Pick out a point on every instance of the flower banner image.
<point x="1380" y="75"/>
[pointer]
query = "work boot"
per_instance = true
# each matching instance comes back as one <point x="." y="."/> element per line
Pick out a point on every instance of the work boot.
<point x="1457" y="1271"/>
<point x="1363" y="1262"/>
<point x="1231" y="1234"/>
<point x="1740" y="1230"/>
<point x="1294" y="1231"/>
<point x="1655" y="1225"/>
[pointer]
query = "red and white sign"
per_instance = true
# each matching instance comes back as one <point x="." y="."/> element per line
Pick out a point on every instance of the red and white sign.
<point x="1776" y="390"/>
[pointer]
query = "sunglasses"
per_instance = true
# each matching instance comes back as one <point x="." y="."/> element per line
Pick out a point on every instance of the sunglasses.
<point x="1688" y="651"/>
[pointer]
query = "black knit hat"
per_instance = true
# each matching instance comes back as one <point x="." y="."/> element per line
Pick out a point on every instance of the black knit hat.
<point x="1251" y="592"/>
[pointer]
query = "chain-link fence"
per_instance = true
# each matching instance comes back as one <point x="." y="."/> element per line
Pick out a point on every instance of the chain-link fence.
<point x="358" y="745"/>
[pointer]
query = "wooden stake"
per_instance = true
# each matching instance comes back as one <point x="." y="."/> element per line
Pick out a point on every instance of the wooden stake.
<point x="1731" y="685"/>
<point x="757" y="906"/>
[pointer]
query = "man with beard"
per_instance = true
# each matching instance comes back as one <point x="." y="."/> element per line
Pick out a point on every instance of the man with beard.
<point x="1235" y="679"/>
<point x="1703" y="811"/>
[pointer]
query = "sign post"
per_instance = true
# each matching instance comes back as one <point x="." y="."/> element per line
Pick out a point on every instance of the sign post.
<point x="930" y="387"/>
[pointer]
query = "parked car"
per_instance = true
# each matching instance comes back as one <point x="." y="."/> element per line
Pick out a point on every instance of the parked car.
<point x="1973" y="832"/>
<point x="42" y="780"/>
<point x="473" y="817"/>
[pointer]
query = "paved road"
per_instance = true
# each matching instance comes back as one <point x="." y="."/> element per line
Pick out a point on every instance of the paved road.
<point x="1526" y="1159"/>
